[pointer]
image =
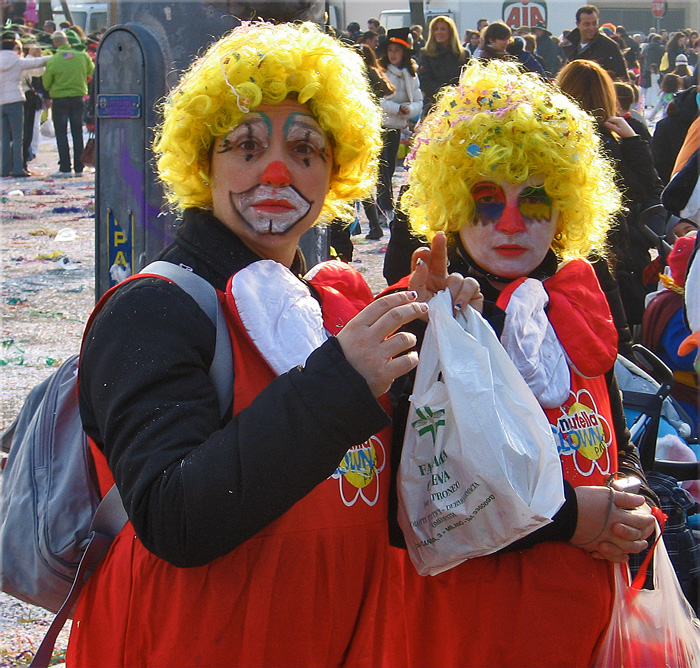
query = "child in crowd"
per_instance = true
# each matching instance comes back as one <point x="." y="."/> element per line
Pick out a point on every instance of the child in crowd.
<point x="669" y="86"/>
<point x="625" y="99"/>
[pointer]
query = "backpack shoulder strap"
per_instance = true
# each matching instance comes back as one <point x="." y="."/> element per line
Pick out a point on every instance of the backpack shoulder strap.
<point x="108" y="521"/>
<point x="204" y="293"/>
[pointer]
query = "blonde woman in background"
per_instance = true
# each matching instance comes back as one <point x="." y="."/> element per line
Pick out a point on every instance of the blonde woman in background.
<point x="440" y="60"/>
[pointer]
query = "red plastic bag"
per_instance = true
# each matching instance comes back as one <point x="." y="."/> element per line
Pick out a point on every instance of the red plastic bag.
<point x="653" y="628"/>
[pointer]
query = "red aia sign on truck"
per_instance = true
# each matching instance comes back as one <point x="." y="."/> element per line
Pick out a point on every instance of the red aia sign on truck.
<point x="521" y="13"/>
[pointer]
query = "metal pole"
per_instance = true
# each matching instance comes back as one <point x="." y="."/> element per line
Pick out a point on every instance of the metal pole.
<point x="66" y="11"/>
<point x="113" y="9"/>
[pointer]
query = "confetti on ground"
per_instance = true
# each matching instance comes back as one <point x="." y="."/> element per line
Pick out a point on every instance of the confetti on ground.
<point x="52" y="256"/>
<point x="44" y="309"/>
<point x="69" y="209"/>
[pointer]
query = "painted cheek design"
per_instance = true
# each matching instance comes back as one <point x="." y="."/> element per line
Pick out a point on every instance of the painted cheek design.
<point x="536" y="211"/>
<point x="489" y="212"/>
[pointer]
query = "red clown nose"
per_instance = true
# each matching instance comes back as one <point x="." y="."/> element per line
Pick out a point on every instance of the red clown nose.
<point x="276" y="174"/>
<point x="511" y="221"/>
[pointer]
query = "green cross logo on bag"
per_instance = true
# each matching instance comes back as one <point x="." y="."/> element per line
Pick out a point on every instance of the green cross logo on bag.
<point x="429" y="421"/>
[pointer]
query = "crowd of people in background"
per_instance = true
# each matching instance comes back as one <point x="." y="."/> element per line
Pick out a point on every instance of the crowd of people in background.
<point x="657" y="67"/>
<point x="46" y="79"/>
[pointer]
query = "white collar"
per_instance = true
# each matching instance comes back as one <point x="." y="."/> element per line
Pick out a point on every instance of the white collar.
<point x="277" y="310"/>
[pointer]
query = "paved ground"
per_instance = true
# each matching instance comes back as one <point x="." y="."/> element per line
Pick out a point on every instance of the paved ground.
<point x="47" y="237"/>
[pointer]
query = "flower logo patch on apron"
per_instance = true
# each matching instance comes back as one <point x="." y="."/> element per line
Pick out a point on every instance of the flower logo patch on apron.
<point x="358" y="472"/>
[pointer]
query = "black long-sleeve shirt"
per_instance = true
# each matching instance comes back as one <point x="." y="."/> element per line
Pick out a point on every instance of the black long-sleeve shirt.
<point x="194" y="486"/>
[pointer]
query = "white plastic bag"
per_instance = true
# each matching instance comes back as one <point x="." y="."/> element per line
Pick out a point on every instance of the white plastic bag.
<point x="479" y="467"/>
<point x="46" y="129"/>
<point x="653" y="628"/>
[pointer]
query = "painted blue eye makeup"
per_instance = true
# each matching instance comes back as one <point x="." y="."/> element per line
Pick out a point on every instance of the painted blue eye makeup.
<point x="489" y="202"/>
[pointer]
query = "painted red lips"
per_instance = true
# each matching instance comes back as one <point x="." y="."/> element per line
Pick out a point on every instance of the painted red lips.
<point x="510" y="250"/>
<point x="274" y="205"/>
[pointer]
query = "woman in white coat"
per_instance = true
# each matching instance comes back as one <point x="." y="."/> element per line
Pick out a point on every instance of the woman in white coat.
<point x="406" y="103"/>
<point x="12" y="98"/>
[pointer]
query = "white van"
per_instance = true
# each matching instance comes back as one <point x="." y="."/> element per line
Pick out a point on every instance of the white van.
<point x="89" y="16"/>
<point x="401" y="18"/>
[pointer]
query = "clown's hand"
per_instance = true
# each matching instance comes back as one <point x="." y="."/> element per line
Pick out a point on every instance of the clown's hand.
<point x="611" y="524"/>
<point x="429" y="276"/>
<point x="373" y="343"/>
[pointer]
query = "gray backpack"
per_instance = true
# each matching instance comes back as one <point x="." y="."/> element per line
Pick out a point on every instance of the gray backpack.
<point x="54" y="527"/>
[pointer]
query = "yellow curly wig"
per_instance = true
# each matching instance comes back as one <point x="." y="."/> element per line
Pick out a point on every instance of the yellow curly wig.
<point x="261" y="63"/>
<point x="500" y="123"/>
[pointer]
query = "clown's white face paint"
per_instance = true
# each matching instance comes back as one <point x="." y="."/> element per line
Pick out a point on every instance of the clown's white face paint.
<point x="270" y="176"/>
<point x="513" y="229"/>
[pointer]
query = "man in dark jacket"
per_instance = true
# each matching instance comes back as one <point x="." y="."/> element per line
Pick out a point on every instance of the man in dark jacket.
<point x="547" y="50"/>
<point x="587" y="43"/>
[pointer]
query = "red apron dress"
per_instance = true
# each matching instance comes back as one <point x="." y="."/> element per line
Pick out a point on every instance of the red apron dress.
<point x="548" y="605"/>
<point x="305" y="591"/>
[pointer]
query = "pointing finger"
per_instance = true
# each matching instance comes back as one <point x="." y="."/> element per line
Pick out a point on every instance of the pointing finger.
<point x="438" y="255"/>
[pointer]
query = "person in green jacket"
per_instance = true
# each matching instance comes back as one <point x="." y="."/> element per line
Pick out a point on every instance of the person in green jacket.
<point x="66" y="81"/>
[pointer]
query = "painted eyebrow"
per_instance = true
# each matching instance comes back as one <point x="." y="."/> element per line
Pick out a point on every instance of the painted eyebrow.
<point x="481" y="189"/>
<point x="253" y="126"/>
<point x="250" y="124"/>
<point x="305" y="122"/>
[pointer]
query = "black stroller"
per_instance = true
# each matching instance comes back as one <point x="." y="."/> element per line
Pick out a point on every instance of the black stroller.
<point x="650" y="410"/>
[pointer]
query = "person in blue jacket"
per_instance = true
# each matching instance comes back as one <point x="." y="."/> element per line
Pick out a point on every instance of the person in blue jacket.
<point x="517" y="48"/>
